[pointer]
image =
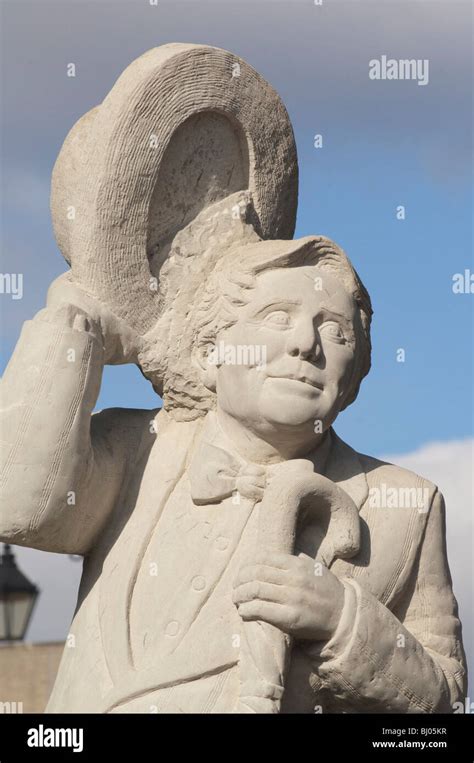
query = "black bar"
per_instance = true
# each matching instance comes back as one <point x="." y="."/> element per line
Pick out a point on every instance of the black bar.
<point x="159" y="737"/>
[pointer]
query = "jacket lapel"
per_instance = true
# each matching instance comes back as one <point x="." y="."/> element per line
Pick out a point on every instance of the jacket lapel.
<point x="344" y="468"/>
<point x="165" y="464"/>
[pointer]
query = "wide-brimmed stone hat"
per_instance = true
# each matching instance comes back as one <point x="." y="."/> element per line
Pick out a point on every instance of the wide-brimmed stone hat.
<point x="185" y="126"/>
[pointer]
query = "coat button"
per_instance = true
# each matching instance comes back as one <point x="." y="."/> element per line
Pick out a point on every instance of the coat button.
<point x="172" y="628"/>
<point x="198" y="583"/>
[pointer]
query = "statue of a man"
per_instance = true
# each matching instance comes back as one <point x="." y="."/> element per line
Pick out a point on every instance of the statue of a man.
<point x="236" y="556"/>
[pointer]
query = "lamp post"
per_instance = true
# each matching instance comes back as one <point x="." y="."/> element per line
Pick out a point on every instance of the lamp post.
<point x="17" y="598"/>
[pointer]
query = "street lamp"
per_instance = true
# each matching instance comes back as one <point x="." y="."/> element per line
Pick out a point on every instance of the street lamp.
<point x="17" y="598"/>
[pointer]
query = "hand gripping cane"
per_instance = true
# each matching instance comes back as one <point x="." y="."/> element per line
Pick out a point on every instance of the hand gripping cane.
<point x="294" y="494"/>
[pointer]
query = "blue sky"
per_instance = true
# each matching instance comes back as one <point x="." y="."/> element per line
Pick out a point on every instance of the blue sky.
<point x="385" y="144"/>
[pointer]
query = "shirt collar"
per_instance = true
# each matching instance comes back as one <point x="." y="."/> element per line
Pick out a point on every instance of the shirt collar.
<point x="216" y="465"/>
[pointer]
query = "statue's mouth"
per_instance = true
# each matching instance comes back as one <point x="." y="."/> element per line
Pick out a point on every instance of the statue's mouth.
<point x="299" y="378"/>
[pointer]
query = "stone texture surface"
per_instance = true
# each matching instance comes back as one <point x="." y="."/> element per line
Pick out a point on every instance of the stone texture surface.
<point x="239" y="557"/>
<point x="117" y="162"/>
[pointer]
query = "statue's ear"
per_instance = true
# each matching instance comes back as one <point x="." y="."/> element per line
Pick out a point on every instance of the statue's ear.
<point x="205" y="359"/>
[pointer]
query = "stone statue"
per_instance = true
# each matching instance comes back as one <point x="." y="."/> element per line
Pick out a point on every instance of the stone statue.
<point x="238" y="556"/>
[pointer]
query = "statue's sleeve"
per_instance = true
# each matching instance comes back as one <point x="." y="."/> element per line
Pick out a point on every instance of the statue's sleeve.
<point x="407" y="661"/>
<point x="58" y="483"/>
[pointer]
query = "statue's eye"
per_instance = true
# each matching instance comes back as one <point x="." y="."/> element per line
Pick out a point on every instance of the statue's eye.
<point x="332" y="330"/>
<point x="277" y="319"/>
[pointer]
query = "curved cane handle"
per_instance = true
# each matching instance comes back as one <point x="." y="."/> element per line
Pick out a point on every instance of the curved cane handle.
<point x="292" y="487"/>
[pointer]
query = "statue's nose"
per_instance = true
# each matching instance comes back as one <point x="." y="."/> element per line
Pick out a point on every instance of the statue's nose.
<point x="305" y="343"/>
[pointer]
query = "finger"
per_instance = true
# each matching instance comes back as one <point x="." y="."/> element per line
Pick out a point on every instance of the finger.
<point x="279" y="615"/>
<point x="276" y="559"/>
<point x="304" y="556"/>
<point x="262" y="572"/>
<point x="256" y="470"/>
<point x="81" y="322"/>
<point x="258" y="590"/>
<point x="249" y="488"/>
<point x="308" y="564"/>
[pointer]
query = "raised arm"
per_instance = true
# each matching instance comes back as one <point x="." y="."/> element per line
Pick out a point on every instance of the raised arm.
<point x="60" y="469"/>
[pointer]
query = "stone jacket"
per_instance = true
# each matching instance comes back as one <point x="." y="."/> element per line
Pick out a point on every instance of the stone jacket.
<point x="155" y="629"/>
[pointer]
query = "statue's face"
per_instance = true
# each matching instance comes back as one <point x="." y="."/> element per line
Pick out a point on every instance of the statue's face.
<point x="302" y="320"/>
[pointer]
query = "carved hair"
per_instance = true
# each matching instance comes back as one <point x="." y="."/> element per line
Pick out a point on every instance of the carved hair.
<point x="229" y="288"/>
<point x="201" y="289"/>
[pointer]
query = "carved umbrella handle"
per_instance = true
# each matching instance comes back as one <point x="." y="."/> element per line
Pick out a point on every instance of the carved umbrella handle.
<point x="294" y="494"/>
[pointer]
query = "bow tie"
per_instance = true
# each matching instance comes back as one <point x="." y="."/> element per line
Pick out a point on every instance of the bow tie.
<point x="215" y="474"/>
